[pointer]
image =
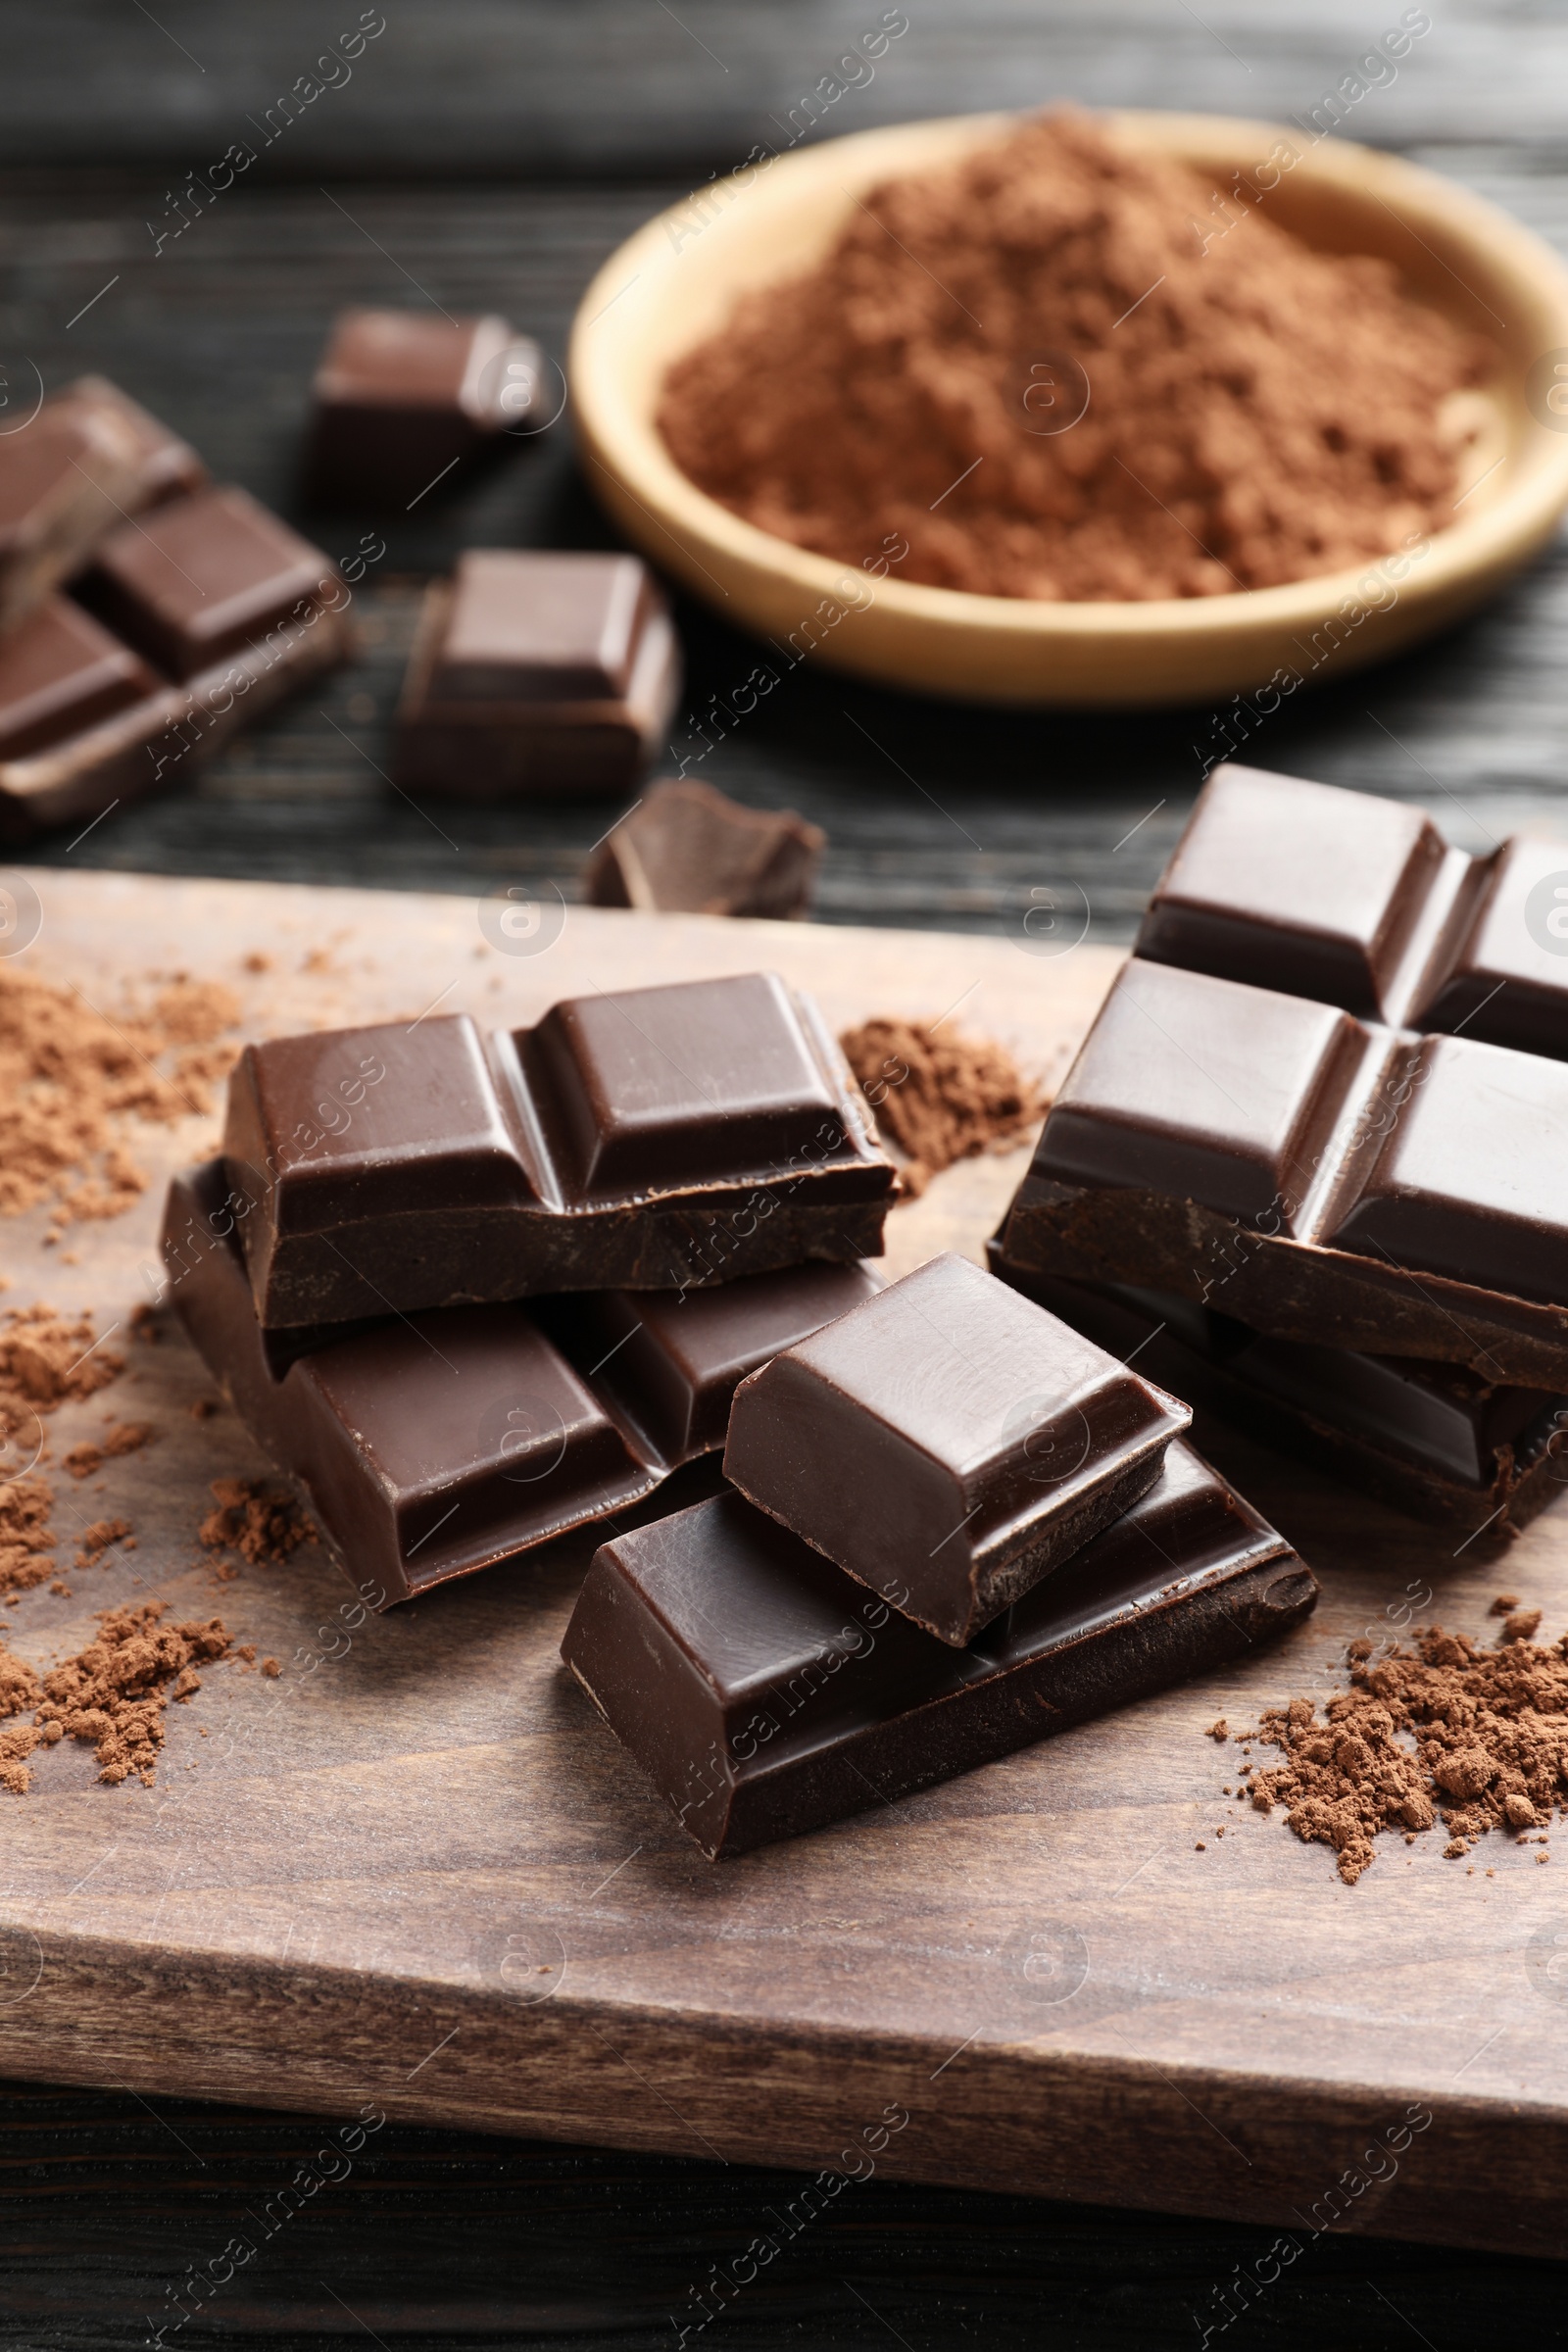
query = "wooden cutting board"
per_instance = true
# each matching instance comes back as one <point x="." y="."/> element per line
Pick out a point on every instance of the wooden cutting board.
<point x="415" y="1869"/>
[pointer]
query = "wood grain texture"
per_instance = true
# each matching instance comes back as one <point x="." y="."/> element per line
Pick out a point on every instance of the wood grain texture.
<point x="420" y="1873"/>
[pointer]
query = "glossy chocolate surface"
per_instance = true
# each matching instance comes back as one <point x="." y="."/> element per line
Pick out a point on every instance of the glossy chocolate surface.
<point x="658" y="1139"/>
<point x="536" y="670"/>
<point x="1435" y="1440"/>
<point x="689" y="849"/>
<point x="67" y="476"/>
<point x="205" y="577"/>
<point x="403" y="397"/>
<point x="1505" y="979"/>
<point x="61" y="672"/>
<point x="947" y="1444"/>
<point x="433" y="1445"/>
<point x="764" y="1692"/>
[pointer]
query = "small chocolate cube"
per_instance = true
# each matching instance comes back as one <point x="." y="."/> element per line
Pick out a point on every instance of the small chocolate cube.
<point x="691" y="850"/>
<point x="402" y="397"/>
<point x="1504" y="980"/>
<point x="537" y="671"/>
<point x="949" y="1444"/>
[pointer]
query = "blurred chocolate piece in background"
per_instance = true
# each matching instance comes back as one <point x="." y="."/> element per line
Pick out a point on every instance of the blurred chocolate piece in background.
<point x="68" y="473"/>
<point x="402" y="397"/>
<point x="537" y="671"/>
<point x="689" y="849"/>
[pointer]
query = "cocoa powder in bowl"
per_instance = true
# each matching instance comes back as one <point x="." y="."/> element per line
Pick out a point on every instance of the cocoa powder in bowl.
<point x="1252" y="412"/>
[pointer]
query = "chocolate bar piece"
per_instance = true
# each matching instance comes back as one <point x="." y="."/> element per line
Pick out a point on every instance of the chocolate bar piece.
<point x="947" y="1444"/>
<point x="687" y="849"/>
<point x="1230" y="1132"/>
<point x="165" y="465"/>
<point x="764" y="1692"/>
<point x="1432" y="1438"/>
<point x="67" y="474"/>
<point x="537" y="673"/>
<point x="434" y="1444"/>
<point x="402" y="398"/>
<point x="1314" y="892"/>
<point x="653" y="1139"/>
<point x="203" y="614"/>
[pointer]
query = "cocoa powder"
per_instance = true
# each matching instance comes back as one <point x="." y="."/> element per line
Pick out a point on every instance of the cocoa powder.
<point x="255" y="1519"/>
<point x="114" y="1694"/>
<point x="940" y="1100"/>
<point x="46" y="1359"/>
<point x="1442" y="1729"/>
<point x="1247" y="411"/>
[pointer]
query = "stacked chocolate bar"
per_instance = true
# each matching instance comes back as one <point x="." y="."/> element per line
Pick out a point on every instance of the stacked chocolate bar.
<point x="681" y="1183"/>
<point x="1312" y="1151"/>
<point x="144" y="615"/>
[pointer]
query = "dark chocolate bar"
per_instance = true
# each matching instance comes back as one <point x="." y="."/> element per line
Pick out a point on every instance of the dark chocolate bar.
<point x="1321" y="1176"/>
<point x="1432" y="1438"/>
<point x="537" y="673"/>
<point x="688" y="848"/>
<point x="653" y="1139"/>
<point x="165" y="465"/>
<point x="947" y="1444"/>
<point x="203" y="614"/>
<point x="434" y="1444"/>
<point x="764" y="1692"/>
<point x="404" y="398"/>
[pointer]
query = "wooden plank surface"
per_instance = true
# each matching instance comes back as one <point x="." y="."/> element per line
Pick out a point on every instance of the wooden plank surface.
<point x="420" y="1872"/>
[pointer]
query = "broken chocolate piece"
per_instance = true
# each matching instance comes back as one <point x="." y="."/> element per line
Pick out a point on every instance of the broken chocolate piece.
<point x="537" y="673"/>
<point x="947" y="1444"/>
<point x="657" y="1139"/>
<point x="687" y="849"/>
<point x="764" y="1692"/>
<point x="403" y="398"/>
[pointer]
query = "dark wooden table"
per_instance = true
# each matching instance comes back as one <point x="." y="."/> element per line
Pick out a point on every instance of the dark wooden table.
<point x="489" y="153"/>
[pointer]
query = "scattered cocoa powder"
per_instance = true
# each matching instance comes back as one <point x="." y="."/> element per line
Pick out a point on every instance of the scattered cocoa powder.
<point x="939" y="1098"/>
<point x="260" y="1522"/>
<point x="121" y="1437"/>
<point x="113" y="1693"/>
<point x="72" y="1079"/>
<point x="96" y="1539"/>
<point x="1251" y="411"/>
<point x="46" y="1359"/>
<point x="1445" y="1727"/>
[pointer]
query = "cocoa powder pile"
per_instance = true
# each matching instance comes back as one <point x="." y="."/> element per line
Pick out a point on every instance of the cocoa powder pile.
<point x="257" y="1520"/>
<point x="1443" y="1729"/>
<point x="939" y="1098"/>
<point x="73" y="1079"/>
<point x="115" y="1694"/>
<point x="45" y="1360"/>
<point x="1257" y="412"/>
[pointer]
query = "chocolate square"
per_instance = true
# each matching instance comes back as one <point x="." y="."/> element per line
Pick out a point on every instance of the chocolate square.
<point x="537" y="671"/>
<point x="1205" y="1089"/>
<point x="656" y="1089"/>
<point x="1295" y="887"/>
<point x="1469" y="1180"/>
<point x="948" y="1443"/>
<point x="448" y="1442"/>
<point x="1505" y="982"/>
<point x="60" y="673"/>
<point x="205" y="577"/>
<point x="403" y="397"/>
<point x="67" y="475"/>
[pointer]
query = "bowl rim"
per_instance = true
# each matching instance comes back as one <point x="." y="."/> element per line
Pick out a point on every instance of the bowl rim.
<point x="617" y="436"/>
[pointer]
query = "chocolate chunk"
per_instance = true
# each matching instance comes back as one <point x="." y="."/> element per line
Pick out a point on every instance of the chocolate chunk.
<point x="211" y="591"/>
<point x="1433" y="1439"/>
<point x="947" y="1444"/>
<point x="537" y="673"/>
<point x="1347" y="1181"/>
<point x="657" y="1139"/>
<point x="687" y="849"/>
<point x="434" y="1444"/>
<point x="67" y="474"/>
<point x="402" y="398"/>
<point x="206" y="577"/>
<point x="764" y="1692"/>
<point x="165" y="465"/>
<point x="1295" y="887"/>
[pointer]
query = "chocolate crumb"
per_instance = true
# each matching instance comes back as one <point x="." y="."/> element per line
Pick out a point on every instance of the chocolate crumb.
<point x="261" y="1524"/>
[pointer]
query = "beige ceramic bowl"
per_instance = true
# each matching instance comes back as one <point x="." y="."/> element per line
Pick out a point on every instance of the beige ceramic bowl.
<point x="674" y="281"/>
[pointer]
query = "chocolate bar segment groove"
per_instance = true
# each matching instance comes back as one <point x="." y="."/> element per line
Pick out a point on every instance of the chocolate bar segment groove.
<point x="764" y="1692"/>
<point x="947" y="1444"/>
<point x="658" y="1139"/>
<point x="433" y="1445"/>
